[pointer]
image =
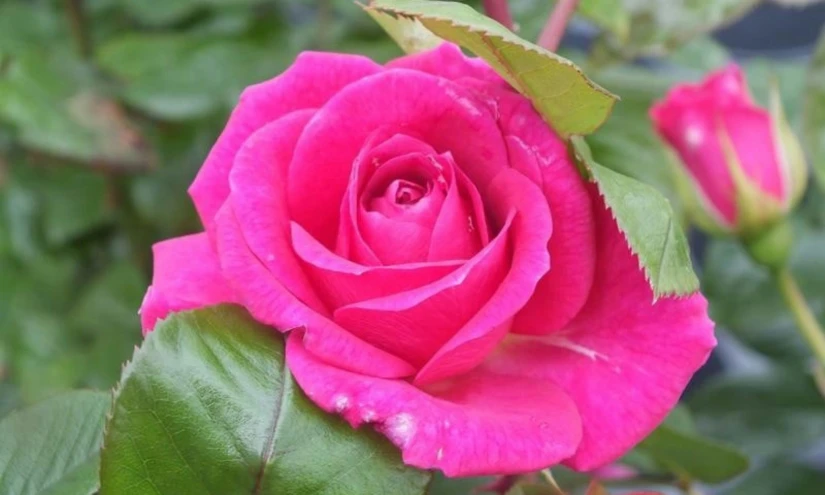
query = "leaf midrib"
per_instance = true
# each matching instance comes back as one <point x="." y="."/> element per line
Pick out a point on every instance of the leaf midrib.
<point x="277" y="419"/>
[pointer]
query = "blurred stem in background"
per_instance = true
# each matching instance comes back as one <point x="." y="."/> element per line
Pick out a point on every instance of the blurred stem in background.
<point x="499" y="10"/>
<point x="553" y="31"/>
<point x="810" y="329"/>
<point x="77" y="21"/>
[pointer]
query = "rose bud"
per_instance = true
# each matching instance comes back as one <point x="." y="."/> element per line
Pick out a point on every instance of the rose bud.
<point x="742" y="169"/>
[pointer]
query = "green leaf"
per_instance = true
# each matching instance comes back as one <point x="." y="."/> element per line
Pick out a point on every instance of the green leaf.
<point x="52" y="447"/>
<point x="773" y="413"/>
<point x="570" y="102"/>
<point x="692" y="456"/>
<point x="208" y="406"/>
<point x="50" y="101"/>
<point x="409" y="33"/>
<point x="780" y="477"/>
<point x="813" y="117"/>
<point x="647" y="221"/>
<point x="173" y="76"/>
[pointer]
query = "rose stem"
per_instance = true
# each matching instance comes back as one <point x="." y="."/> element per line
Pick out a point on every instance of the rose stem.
<point x="554" y="29"/>
<point x="499" y="10"/>
<point x="77" y="21"/>
<point x="805" y="320"/>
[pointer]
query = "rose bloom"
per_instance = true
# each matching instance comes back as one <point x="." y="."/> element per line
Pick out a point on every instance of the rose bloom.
<point x="741" y="166"/>
<point x="441" y="268"/>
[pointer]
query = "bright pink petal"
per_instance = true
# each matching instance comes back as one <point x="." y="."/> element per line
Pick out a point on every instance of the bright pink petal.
<point x="751" y="132"/>
<point x="441" y="113"/>
<point x="447" y="61"/>
<point x="509" y="192"/>
<point x="258" y="196"/>
<point x="187" y="275"/>
<point x="624" y="360"/>
<point x="341" y="282"/>
<point x="270" y="302"/>
<point x="536" y="151"/>
<point x="477" y="424"/>
<point x="415" y="324"/>
<point x="694" y="133"/>
<point x="312" y="80"/>
<point x="461" y="229"/>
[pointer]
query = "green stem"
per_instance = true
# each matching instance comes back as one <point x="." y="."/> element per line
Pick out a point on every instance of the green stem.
<point x="810" y="329"/>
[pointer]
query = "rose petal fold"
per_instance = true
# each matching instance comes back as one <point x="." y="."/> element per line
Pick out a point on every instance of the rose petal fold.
<point x="312" y="80"/>
<point x="439" y="112"/>
<point x="187" y="275"/>
<point x="270" y="302"/>
<point x="625" y="359"/>
<point x="478" y="424"/>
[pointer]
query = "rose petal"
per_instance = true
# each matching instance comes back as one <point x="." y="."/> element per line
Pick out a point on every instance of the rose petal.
<point x="439" y="112"/>
<point x="461" y="227"/>
<point x="624" y="360"/>
<point x="258" y="196"/>
<point x="415" y="324"/>
<point x="509" y="192"/>
<point x="751" y="132"/>
<point x="270" y="302"/>
<point x="186" y="276"/>
<point x="536" y="151"/>
<point x="693" y="133"/>
<point x="477" y="424"/>
<point x="449" y="62"/>
<point x="341" y="282"/>
<point x="308" y="83"/>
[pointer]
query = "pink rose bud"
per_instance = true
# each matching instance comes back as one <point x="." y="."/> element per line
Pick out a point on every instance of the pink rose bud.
<point x="743" y="168"/>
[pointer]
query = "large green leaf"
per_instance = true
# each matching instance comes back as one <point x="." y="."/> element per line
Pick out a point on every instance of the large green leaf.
<point x="208" y="406"/>
<point x="648" y="223"/>
<point x="570" y="102"/>
<point x="813" y="116"/>
<point x="52" y="448"/>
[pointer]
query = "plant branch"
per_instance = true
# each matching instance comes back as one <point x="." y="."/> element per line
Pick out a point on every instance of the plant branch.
<point x="557" y="23"/>
<point x="806" y="322"/>
<point x="77" y="21"/>
<point x="499" y="10"/>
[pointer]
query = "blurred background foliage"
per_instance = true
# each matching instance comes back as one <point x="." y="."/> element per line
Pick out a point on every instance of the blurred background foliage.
<point x="108" y="108"/>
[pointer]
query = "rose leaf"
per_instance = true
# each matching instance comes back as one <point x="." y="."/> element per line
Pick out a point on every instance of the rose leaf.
<point x="567" y="99"/>
<point x="207" y="405"/>
<point x="52" y="447"/>
<point x="647" y="221"/>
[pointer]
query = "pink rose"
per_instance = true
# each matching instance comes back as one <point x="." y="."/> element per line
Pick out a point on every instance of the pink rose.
<point x="402" y="222"/>
<point x="744" y="167"/>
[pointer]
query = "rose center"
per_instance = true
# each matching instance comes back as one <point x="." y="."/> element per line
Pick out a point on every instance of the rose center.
<point x="406" y="193"/>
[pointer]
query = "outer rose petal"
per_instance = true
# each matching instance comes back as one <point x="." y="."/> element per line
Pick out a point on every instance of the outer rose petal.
<point x="186" y="276"/>
<point x="270" y="302"/>
<point x="624" y="360"/>
<point x="308" y="83"/>
<point x="449" y="62"/>
<point x="443" y="114"/>
<point x="258" y="196"/>
<point x="480" y="423"/>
